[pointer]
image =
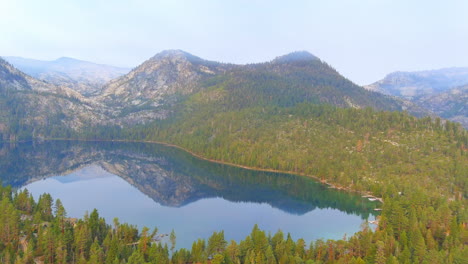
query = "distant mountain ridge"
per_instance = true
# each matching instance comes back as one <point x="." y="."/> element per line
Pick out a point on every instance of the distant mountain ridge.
<point x="84" y="77"/>
<point x="410" y="85"/>
<point x="153" y="89"/>
<point x="442" y="92"/>
<point x="451" y="104"/>
<point x="31" y="107"/>
<point x="175" y="83"/>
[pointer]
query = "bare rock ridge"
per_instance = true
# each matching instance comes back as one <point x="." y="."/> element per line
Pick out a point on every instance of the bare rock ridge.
<point x="150" y="91"/>
<point x="451" y="104"/>
<point x="35" y="105"/>
<point x="170" y="80"/>
<point x="410" y="85"/>
<point x="84" y="77"/>
<point x="442" y="91"/>
<point x="166" y="73"/>
<point x="146" y="92"/>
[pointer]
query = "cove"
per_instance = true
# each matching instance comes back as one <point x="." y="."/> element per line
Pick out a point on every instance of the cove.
<point x="159" y="186"/>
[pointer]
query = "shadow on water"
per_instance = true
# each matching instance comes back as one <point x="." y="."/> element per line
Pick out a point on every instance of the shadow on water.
<point x="172" y="177"/>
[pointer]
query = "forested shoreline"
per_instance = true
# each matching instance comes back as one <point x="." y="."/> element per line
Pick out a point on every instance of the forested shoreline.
<point x="418" y="167"/>
<point x="40" y="231"/>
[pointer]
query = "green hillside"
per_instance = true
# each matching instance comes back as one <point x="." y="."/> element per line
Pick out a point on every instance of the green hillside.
<point x="294" y="114"/>
<point x="286" y="82"/>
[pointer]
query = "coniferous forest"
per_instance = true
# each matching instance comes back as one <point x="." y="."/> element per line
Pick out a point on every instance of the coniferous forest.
<point x="285" y="116"/>
<point x="417" y="166"/>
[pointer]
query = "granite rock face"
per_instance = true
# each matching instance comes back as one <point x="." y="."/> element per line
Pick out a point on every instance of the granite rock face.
<point x="451" y="104"/>
<point x="443" y="92"/>
<point x="411" y="85"/>
<point x="87" y="78"/>
<point x="147" y="91"/>
<point x="29" y="103"/>
<point x="164" y="84"/>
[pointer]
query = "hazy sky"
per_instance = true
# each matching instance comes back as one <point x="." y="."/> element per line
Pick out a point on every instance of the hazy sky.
<point x="362" y="39"/>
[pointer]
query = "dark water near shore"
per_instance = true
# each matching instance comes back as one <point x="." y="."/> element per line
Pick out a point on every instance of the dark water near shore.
<point x="158" y="186"/>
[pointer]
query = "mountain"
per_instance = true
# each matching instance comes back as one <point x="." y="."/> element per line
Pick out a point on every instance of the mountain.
<point x="170" y="80"/>
<point x="173" y="84"/>
<point x="410" y="85"/>
<point x="149" y="90"/>
<point x="294" y="114"/>
<point x="31" y="107"/>
<point x="442" y="92"/>
<point x="295" y="57"/>
<point x="451" y="104"/>
<point x="84" y="77"/>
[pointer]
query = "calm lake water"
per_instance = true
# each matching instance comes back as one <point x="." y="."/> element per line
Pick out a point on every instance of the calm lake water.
<point x="158" y="186"/>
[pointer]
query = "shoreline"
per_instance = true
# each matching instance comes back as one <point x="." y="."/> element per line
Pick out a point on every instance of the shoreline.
<point x="330" y="185"/>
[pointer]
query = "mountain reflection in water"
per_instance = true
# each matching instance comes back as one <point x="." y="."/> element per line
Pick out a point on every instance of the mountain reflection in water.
<point x="174" y="180"/>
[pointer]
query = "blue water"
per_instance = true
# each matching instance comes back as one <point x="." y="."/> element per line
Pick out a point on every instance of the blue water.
<point x="156" y="186"/>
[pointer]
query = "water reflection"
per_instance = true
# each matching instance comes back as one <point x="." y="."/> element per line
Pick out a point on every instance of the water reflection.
<point x="158" y="186"/>
<point x="172" y="177"/>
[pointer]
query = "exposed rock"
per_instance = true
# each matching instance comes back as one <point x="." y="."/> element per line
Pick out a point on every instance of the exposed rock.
<point x="156" y="84"/>
<point x="451" y="104"/>
<point x="410" y="85"/>
<point x="37" y="104"/>
<point x="84" y="77"/>
<point x="443" y="92"/>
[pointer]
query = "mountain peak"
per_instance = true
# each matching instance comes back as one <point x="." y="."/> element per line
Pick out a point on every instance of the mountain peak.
<point x="174" y="52"/>
<point x="295" y="56"/>
<point x="177" y="54"/>
<point x="67" y="60"/>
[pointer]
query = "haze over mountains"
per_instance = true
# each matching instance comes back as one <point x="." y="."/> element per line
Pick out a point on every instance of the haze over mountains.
<point x="442" y="92"/>
<point x="29" y="106"/>
<point x="294" y="114"/>
<point x="84" y="77"/>
<point x="169" y="85"/>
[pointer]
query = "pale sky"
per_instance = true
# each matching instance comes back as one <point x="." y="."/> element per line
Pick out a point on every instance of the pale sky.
<point x="363" y="39"/>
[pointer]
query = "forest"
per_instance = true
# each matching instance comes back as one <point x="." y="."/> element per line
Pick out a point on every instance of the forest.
<point x="41" y="232"/>
<point x="418" y="166"/>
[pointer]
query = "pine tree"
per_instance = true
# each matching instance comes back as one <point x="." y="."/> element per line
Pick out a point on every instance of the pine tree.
<point x="136" y="258"/>
<point x="270" y="256"/>
<point x="172" y="238"/>
<point x="96" y="255"/>
<point x="419" y="247"/>
<point x="380" y="254"/>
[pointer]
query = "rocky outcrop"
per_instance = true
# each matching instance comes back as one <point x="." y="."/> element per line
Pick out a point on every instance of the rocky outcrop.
<point x="443" y="92"/>
<point x="150" y="89"/>
<point x="411" y="85"/>
<point x="169" y="82"/>
<point x="39" y="106"/>
<point x="451" y="104"/>
<point x="84" y="77"/>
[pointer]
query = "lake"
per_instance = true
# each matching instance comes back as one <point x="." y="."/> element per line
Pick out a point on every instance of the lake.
<point x="159" y="186"/>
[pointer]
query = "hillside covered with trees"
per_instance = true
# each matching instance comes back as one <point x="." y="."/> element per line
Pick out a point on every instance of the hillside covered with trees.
<point x="294" y="114"/>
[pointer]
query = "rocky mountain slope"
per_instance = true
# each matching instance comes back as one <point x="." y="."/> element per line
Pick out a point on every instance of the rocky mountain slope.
<point x="30" y="107"/>
<point x="174" y="83"/>
<point x="451" y="104"/>
<point x="159" y="86"/>
<point x="442" y="92"/>
<point x="410" y="85"/>
<point x="149" y="90"/>
<point x="84" y="77"/>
